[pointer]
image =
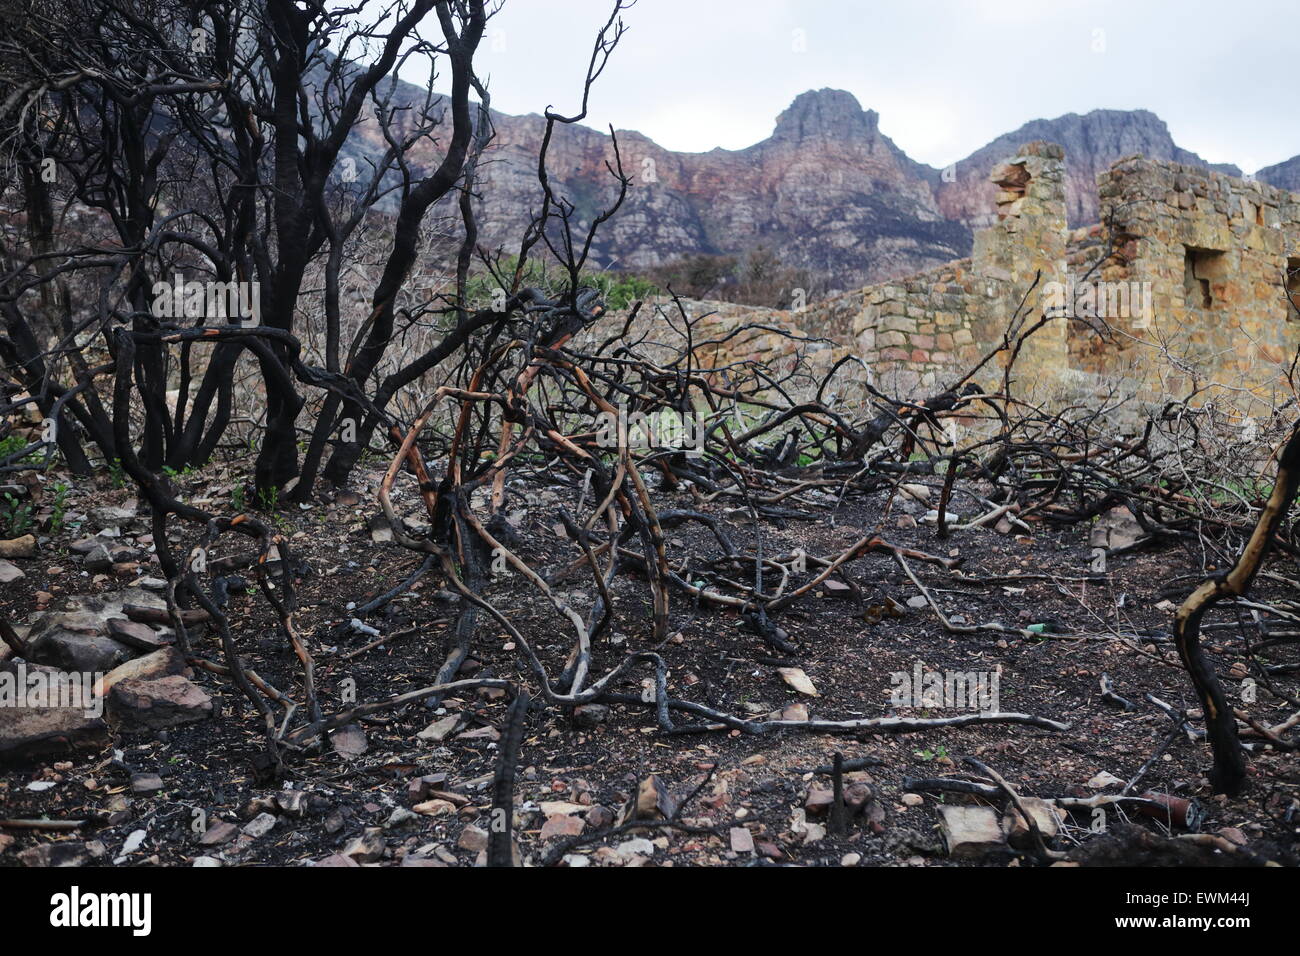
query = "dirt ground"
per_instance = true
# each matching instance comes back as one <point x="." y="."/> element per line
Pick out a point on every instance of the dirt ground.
<point x="1092" y="624"/>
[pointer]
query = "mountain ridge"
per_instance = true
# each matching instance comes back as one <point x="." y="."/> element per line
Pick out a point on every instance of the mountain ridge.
<point x="826" y="190"/>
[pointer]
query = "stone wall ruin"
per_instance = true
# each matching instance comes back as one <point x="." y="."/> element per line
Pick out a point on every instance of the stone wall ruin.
<point x="1193" y="290"/>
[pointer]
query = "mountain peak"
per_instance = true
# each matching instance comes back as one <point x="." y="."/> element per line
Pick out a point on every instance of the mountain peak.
<point x="825" y="114"/>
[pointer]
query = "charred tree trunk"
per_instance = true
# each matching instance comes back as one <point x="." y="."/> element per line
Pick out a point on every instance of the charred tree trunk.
<point x="1229" y="772"/>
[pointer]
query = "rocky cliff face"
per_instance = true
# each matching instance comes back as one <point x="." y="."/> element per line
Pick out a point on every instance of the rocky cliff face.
<point x="1092" y="143"/>
<point x="827" y="190"/>
<point x="1285" y="175"/>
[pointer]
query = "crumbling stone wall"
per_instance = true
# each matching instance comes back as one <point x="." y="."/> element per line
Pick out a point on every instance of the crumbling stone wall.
<point x="914" y="331"/>
<point x="1213" y="251"/>
<point x="1193" y="292"/>
<point x="1188" y="289"/>
<point x="926" y="325"/>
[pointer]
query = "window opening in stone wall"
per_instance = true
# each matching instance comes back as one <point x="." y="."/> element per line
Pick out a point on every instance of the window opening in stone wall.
<point x="1200" y="268"/>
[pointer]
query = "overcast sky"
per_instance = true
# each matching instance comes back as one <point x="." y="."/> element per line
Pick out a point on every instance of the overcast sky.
<point x="946" y="76"/>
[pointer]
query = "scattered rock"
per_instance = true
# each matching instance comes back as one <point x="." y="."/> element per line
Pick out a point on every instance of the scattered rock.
<point x="23" y="547"/>
<point x="134" y="841"/>
<point x="819" y="800"/>
<point x="813" y="833"/>
<point x="653" y="800"/>
<point x="1232" y="835"/>
<point x="146" y="783"/>
<point x="84" y="546"/>
<point x="218" y="834"/>
<point x="796" y="678"/>
<point x="796" y="712"/>
<point x="549" y="807"/>
<point x="98" y="560"/>
<point x="158" y="703"/>
<point x="163" y="663"/>
<point x="74" y="641"/>
<point x="34" y="730"/>
<point x="474" y="839"/>
<point x="416" y="790"/>
<point x="1046" y="816"/>
<point x="142" y="637"/>
<point x="599" y="817"/>
<point x="590" y="715"/>
<point x="401" y="817"/>
<point x="349" y="741"/>
<point x="932" y="517"/>
<point x="259" y="826"/>
<point x="562" y="825"/>
<point x="441" y="729"/>
<point x="366" y="848"/>
<point x="435" y="808"/>
<point x="380" y="530"/>
<point x="638" y="846"/>
<point x="59" y="853"/>
<point x="1102" y="780"/>
<point x="10" y="572"/>
<point x="481" y="733"/>
<point x="917" y="491"/>
<point x="970" y="831"/>
<point x="742" y="840"/>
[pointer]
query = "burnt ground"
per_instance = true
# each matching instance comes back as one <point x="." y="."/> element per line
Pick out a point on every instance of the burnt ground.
<point x="759" y="782"/>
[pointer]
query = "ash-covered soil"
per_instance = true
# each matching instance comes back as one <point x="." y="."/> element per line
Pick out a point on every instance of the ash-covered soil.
<point x="578" y="771"/>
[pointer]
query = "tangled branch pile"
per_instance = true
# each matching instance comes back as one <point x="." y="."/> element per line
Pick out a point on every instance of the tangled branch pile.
<point x="640" y="431"/>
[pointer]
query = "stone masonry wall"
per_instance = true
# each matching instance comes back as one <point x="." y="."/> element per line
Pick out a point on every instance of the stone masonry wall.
<point x="1204" y="255"/>
<point x="1190" y="288"/>
<point x="918" y="330"/>
<point x="1214" y="253"/>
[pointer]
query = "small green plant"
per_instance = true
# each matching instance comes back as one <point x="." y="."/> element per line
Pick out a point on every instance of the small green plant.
<point x="938" y="753"/>
<point x="12" y="445"/>
<point x="620" y="290"/>
<point x="116" y="476"/>
<point x="16" y="517"/>
<point x="59" y="506"/>
<point x="268" y="499"/>
<point x="237" y="498"/>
